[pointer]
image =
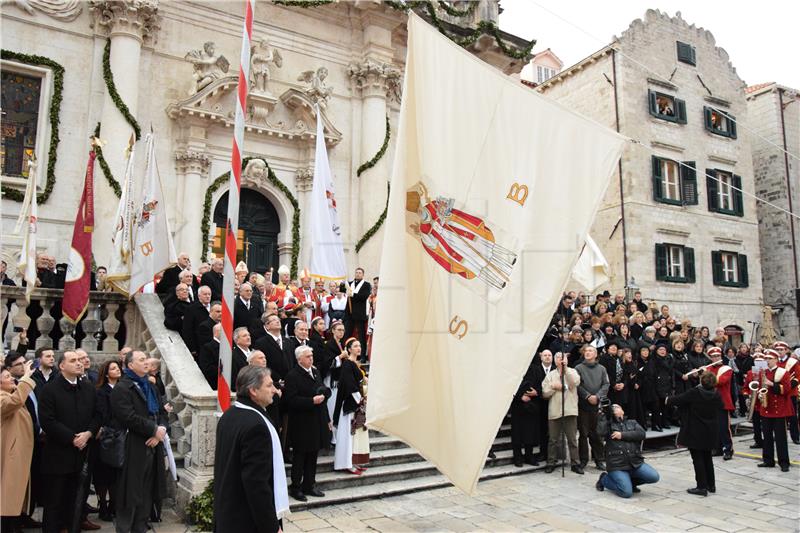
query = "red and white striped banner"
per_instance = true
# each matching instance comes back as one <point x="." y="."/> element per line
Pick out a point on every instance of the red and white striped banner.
<point x="226" y="341"/>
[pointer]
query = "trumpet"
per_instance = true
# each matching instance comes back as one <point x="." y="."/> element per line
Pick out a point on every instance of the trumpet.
<point x="702" y="369"/>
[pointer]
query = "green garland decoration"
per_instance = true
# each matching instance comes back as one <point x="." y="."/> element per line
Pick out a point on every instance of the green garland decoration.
<point x="224" y="178"/>
<point x="453" y="12"/>
<point x="55" y="112"/>
<point x="375" y="227"/>
<point x="108" y="76"/>
<point x="114" y="184"/>
<point x="302" y="3"/>
<point x="200" y="509"/>
<point x="377" y="157"/>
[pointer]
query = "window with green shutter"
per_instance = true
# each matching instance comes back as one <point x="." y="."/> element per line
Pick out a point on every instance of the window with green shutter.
<point x="674" y="263"/>
<point x="724" y="192"/>
<point x="674" y="182"/>
<point x="666" y="107"/>
<point x="686" y="53"/>
<point x="719" y="122"/>
<point x="729" y="269"/>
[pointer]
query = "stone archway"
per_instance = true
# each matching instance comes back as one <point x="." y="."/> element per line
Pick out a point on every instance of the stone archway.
<point x="259" y="229"/>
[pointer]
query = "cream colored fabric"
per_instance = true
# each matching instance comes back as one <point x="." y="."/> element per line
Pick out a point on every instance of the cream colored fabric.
<point x="468" y="133"/>
<point x="591" y="270"/>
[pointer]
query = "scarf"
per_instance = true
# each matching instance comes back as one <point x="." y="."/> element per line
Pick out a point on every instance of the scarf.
<point x="147" y="388"/>
<point x="279" y="487"/>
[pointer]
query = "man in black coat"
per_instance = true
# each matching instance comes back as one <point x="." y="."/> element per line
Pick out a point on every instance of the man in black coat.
<point x="300" y="338"/>
<point x="276" y="347"/>
<point x="543" y="367"/>
<point x="137" y="407"/>
<point x="246" y="495"/>
<point x="197" y="313"/>
<point x="308" y="422"/>
<point x="240" y="354"/>
<point x="205" y="330"/>
<point x="247" y="310"/>
<point x="213" y="279"/>
<point x="175" y="307"/>
<point x="208" y="358"/>
<point x="358" y="292"/>
<point x="170" y="279"/>
<point x="67" y="416"/>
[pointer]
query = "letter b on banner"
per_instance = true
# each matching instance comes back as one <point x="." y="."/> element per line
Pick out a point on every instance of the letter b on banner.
<point x="146" y="248"/>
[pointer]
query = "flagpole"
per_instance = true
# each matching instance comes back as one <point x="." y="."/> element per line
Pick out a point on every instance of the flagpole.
<point x="226" y="341"/>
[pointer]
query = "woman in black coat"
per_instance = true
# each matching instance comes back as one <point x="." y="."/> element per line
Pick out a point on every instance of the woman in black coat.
<point x="624" y="338"/>
<point x="663" y="376"/>
<point x="525" y="415"/>
<point x="697" y="358"/>
<point x="105" y="476"/>
<point x="647" y="386"/>
<point x="633" y="398"/>
<point x="699" y="432"/>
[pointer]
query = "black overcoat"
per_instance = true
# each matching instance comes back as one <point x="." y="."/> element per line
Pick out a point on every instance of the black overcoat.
<point x="65" y="410"/>
<point x="208" y="361"/>
<point x="129" y="411"/>
<point x="349" y="382"/>
<point x="308" y="423"/>
<point x="525" y="415"/>
<point x="698" y="409"/>
<point x="243" y="475"/>
<point x="193" y="316"/>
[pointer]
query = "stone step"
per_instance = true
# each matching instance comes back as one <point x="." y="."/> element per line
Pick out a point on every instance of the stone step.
<point x="390" y="486"/>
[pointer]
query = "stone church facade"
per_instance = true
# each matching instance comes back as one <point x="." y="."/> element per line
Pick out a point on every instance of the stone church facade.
<point x="174" y="66"/>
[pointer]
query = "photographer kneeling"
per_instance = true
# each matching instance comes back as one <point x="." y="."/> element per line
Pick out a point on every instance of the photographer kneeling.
<point x="624" y="461"/>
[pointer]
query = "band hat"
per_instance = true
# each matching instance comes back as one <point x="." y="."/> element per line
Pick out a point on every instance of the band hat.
<point x="769" y="353"/>
<point x="780" y="344"/>
<point x="714" y="350"/>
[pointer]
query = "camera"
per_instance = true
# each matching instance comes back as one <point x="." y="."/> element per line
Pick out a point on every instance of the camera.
<point x="605" y="408"/>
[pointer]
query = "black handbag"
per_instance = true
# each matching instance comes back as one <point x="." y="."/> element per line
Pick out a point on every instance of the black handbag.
<point x="112" y="446"/>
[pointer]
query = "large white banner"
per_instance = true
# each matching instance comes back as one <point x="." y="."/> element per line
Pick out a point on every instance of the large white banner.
<point x="481" y="236"/>
<point x="327" y="253"/>
<point x="119" y="268"/>
<point x="29" y="215"/>
<point x="153" y="250"/>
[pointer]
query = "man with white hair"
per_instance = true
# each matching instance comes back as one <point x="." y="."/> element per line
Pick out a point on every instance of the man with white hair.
<point x="213" y="278"/>
<point x="196" y="314"/>
<point x="241" y="352"/>
<point x="171" y="275"/>
<point x="247" y="310"/>
<point x="186" y="277"/>
<point x="175" y="307"/>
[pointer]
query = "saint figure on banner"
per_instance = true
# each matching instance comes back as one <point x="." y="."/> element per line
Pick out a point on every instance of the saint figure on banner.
<point x="459" y="242"/>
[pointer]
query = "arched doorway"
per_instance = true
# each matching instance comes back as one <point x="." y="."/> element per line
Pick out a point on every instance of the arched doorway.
<point x="259" y="227"/>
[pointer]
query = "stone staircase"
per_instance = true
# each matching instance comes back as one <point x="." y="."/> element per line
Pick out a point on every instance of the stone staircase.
<point x="395" y="468"/>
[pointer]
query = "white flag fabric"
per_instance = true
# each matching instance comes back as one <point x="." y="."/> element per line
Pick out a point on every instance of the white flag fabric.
<point x="327" y="253"/>
<point x="591" y="270"/>
<point x="119" y="268"/>
<point x="29" y="216"/>
<point x="481" y="237"/>
<point x="153" y="250"/>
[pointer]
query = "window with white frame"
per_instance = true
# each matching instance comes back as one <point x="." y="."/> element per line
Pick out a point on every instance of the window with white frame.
<point x="671" y="180"/>
<point x="25" y="126"/>
<point x="544" y="73"/>
<point x="730" y="267"/>
<point x="724" y="191"/>
<point x="675" y="261"/>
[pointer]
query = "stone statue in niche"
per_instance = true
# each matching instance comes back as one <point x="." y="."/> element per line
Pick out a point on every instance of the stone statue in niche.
<point x="262" y="54"/>
<point x="317" y="89"/>
<point x="208" y="65"/>
<point x="256" y="171"/>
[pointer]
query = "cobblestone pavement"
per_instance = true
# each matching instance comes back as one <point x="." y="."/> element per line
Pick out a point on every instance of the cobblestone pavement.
<point x="747" y="498"/>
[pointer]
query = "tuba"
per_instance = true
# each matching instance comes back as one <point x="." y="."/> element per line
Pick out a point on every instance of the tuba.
<point x="758" y="393"/>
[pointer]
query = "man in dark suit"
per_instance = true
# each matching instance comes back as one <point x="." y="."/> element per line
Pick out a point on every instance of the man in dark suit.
<point x="67" y="416"/>
<point x="213" y="279"/>
<point x="308" y="423"/>
<point x="276" y="348"/>
<point x="205" y="328"/>
<point x="247" y="310"/>
<point x="46" y="369"/>
<point x="300" y="338"/>
<point x="358" y="292"/>
<point x="246" y="494"/>
<point x="175" y="308"/>
<point x="170" y="278"/>
<point x="136" y="406"/>
<point x="241" y="351"/>
<point x="196" y="314"/>
<point x="208" y="358"/>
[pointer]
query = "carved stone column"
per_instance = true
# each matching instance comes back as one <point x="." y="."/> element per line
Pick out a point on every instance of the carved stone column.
<point x="374" y="81"/>
<point x="127" y="23"/>
<point x="192" y="167"/>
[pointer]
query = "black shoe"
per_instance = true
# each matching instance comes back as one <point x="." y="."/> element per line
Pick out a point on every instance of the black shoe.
<point x="299" y="496"/>
<point x="697" y="492"/>
<point x="578" y="469"/>
<point x="549" y="469"/>
<point x="600" y="465"/>
<point x="518" y="463"/>
<point x="766" y="465"/>
<point x="728" y="456"/>
<point x="533" y="461"/>
<point x="716" y="453"/>
<point x="316" y="493"/>
<point x="666" y="426"/>
<point x="492" y="455"/>
<point x="599" y="485"/>
<point x="657" y="428"/>
<point x="756" y="446"/>
<point x="26" y="522"/>
<point x="796" y="441"/>
<point x="712" y="489"/>
<point x="636" y="490"/>
<point x="784" y="468"/>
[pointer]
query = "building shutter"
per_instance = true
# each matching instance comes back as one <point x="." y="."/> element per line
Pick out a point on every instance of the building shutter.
<point x="688" y="183"/>
<point x="738" y="197"/>
<point x="716" y="267"/>
<point x="707" y="118"/>
<point x="686" y="53"/>
<point x="688" y="265"/>
<point x="661" y="262"/>
<point x="658" y="183"/>
<point x="731" y="126"/>
<point x="744" y="281"/>
<point x="680" y="111"/>
<point x="651" y="97"/>
<point x="712" y="187"/>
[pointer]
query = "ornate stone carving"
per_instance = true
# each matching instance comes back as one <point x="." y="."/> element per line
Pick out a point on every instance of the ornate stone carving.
<point x="317" y="89"/>
<point x="259" y="106"/>
<point x="208" y="65"/>
<point x="192" y="162"/>
<point x="262" y="54"/>
<point x="135" y="17"/>
<point x="375" y="78"/>
<point x="304" y="179"/>
<point x="65" y="10"/>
